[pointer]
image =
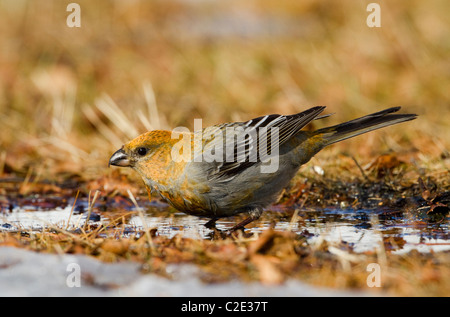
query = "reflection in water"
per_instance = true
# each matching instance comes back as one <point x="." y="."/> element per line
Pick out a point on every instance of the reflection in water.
<point x="362" y="230"/>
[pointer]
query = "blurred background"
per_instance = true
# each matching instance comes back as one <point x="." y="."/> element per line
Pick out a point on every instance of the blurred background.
<point x="70" y="97"/>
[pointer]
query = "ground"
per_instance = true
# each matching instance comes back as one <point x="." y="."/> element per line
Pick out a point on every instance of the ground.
<point x="70" y="97"/>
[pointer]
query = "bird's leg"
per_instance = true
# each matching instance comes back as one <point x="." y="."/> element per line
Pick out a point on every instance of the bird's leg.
<point x="241" y="224"/>
<point x="254" y="215"/>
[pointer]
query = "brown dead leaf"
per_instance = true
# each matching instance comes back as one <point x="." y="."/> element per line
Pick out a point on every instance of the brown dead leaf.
<point x="226" y="253"/>
<point x="384" y="163"/>
<point x="9" y="241"/>
<point x="394" y="243"/>
<point x="118" y="247"/>
<point x="430" y="273"/>
<point x="263" y="242"/>
<point x="174" y="255"/>
<point x="267" y="269"/>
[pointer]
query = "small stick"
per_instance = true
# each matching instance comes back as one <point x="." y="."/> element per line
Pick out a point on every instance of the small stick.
<point x="295" y="215"/>
<point x="360" y="168"/>
<point x="71" y="211"/>
<point x="144" y="223"/>
<point x="91" y="205"/>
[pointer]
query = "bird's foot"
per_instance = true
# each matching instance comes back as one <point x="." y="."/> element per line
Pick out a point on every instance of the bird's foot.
<point x="236" y="231"/>
<point x="254" y="215"/>
<point x="211" y="224"/>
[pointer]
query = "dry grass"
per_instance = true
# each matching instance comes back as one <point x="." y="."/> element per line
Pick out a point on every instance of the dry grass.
<point x="80" y="93"/>
<point x="271" y="258"/>
<point x="70" y="97"/>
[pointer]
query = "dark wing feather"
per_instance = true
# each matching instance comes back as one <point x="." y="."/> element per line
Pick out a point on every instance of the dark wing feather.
<point x="250" y="142"/>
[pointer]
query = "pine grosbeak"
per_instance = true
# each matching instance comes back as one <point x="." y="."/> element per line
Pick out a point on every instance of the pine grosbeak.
<point x="220" y="169"/>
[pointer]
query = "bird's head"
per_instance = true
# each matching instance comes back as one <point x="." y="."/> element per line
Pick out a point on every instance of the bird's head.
<point x="140" y="150"/>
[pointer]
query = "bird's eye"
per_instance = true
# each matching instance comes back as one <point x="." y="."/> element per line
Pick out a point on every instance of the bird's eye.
<point x="141" y="151"/>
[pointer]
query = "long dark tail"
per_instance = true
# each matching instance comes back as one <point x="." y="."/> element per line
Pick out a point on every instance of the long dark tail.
<point x="364" y="124"/>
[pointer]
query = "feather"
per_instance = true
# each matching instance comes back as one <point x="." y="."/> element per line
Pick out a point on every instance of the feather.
<point x="251" y="140"/>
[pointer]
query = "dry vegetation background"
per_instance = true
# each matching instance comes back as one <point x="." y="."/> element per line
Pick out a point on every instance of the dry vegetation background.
<point x="70" y="97"/>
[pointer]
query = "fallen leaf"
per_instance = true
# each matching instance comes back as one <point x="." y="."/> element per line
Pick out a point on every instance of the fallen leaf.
<point x="267" y="269"/>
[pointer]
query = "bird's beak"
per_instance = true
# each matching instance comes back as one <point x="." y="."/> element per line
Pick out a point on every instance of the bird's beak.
<point x="119" y="158"/>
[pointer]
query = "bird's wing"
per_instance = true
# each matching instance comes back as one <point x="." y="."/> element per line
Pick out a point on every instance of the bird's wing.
<point x="231" y="148"/>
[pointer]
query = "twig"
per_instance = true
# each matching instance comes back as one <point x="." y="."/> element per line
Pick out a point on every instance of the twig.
<point x="91" y="205"/>
<point x="295" y="215"/>
<point x="114" y="221"/>
<point x="71" y="235"/>
<point x="144" y="223"/>
<point x="71" y="211"/>
<point x="360" y="168"/>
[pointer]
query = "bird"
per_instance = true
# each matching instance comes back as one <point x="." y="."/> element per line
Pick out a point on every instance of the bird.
<point x="237" y="167"/>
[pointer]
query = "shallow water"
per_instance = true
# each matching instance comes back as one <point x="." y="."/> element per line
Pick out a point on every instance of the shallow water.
<point x="361" y="230"/>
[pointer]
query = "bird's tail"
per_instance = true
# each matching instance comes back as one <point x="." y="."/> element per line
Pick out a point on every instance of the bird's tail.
<point x="364" y="124"/>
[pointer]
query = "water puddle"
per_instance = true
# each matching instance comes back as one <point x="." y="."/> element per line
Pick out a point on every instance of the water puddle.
<point x="361" y="230"/>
